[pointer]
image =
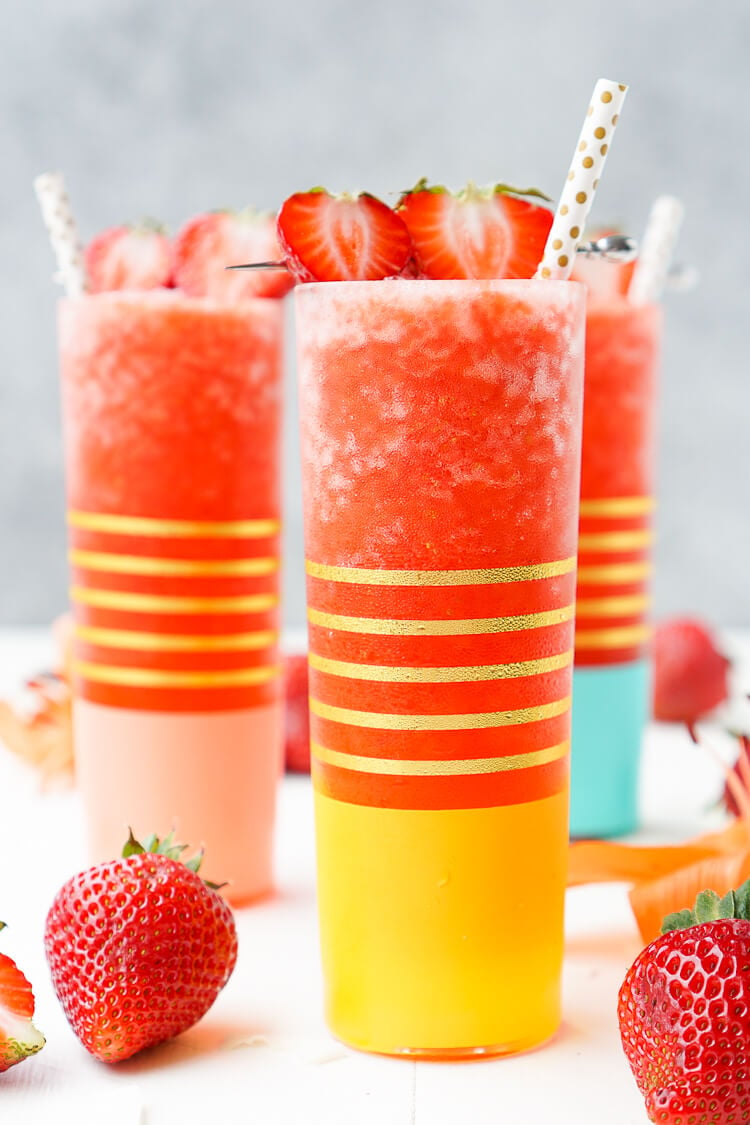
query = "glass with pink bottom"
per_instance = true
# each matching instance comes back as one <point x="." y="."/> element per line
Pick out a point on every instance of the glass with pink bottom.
<point x="172" y="410"/>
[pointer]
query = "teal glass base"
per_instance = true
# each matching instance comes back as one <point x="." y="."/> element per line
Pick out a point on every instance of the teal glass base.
<point x="610" y="708"/>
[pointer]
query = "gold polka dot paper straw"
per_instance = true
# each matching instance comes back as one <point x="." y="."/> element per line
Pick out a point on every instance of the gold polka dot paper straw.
<point x="583" y="179"/>
<point x="657" y="247"/>
<point x="63" y="233"/>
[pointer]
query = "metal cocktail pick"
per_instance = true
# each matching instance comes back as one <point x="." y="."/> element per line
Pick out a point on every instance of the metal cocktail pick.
<point x="259" y="266"/>
<point x="611" y="248"/>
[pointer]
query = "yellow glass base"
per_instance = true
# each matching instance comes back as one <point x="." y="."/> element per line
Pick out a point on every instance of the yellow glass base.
<point x="442" y="931"/>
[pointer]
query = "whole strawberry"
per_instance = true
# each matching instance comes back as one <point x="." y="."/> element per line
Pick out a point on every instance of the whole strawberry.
<point x="138" y="948"/>
<point x="18" y="1036"/>
<point x="684" y="1014"/>
<point x="691" y="674"/>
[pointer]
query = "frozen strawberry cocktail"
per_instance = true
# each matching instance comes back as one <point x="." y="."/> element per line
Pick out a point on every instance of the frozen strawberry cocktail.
<point x="623" y="342"/>
<point x="440" y="448"/>
<point x="172" y="415"/>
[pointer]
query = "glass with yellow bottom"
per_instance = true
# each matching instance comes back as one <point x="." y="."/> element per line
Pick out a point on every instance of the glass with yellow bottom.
<point x="441" y="440"/>
<point x="488" y="966"/>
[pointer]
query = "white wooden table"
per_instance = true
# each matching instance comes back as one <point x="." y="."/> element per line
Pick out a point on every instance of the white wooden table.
<point x="263" y="1054"/>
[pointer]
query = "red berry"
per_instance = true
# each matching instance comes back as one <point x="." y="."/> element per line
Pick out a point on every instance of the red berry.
<point x="138" y="949"/>
<point x="477" y="233"/>
<point x="208" y="243"/>
<point x="296" y="714"/>
<point x="691" y="675"/>
<point x="684" y="1015"/>
<point x="18" y="1036"/>
<point x="342" y="237"/>
<point x="129" y="257"/>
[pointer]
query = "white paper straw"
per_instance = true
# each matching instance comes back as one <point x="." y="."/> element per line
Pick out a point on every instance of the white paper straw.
<point x="63" y="233"/>
<point x="655" y="254"/>
<point x="583" y="179"/>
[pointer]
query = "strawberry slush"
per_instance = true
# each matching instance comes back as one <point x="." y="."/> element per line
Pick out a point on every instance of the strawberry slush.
<point x="172" y="410"/>
<point x="441" y="425"/>
<point x="611" y="678"/>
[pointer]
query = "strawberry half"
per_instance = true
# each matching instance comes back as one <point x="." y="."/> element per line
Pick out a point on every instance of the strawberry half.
<point x="210" y="242"/>
<point x="342" y="237"/>
<point x="684" y="1014"/>
<point x="475" y="233"/>
<point x="18" y="1036"/>
<point x="138" y="949"/>
<point x="138" y="256"/>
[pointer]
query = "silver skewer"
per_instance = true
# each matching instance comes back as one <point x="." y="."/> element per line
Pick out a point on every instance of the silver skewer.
<point x="618" y="248"/>
<point x="259" y="266"/>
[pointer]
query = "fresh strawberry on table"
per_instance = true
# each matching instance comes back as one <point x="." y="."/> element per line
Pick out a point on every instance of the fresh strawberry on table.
<point x="210" y="242"/>
<point x="342" y="237"/>
<point x="691" y="674"/>
<point x="18" y="1036"/>
<point x="136" y="256"/>
<point x="296" y="714"/>
<point x="138" y="949"/>
<point x="684" y="1014"/>
<point x="476" y="233"/>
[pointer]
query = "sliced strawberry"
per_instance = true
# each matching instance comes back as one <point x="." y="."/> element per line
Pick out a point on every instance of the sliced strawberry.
<point x="342" y="237"/>
<point x="129" y="257"/>
<point x="18" y="1036"/>
<point x="476" y="233"/>
<point x="208" y="243"/>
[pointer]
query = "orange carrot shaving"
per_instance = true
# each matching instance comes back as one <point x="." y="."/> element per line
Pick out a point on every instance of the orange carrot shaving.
<point x="653" y="900"/>
<point x="667" y="878"/>
<point x="606" y="861"/>
<point x="601" y="861"/>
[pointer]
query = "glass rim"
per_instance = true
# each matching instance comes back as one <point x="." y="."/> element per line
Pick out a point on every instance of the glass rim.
<point x="491" y="284"/>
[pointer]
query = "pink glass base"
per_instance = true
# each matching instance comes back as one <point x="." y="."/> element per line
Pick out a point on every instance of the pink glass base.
<point x="212" y="777"/>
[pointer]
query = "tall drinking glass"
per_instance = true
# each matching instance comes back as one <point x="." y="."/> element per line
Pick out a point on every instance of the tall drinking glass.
<point x="171" y="410"/>
<point x="441" y="426"/>
<point x="611" y="678"/>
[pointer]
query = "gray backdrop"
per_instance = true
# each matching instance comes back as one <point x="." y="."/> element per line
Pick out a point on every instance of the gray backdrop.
<point x="169" y="107"/>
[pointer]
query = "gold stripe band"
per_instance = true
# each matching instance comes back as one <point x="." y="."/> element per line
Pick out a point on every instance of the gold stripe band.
<point x="156" y="603"/>
<point x="611" y="574"/>
<point x="461" y="767"/>
<point x="361" y="577"/>
<point x="387" y="674"/>
<point x="616" y="540"/>
<point x="396" y="628"/>
<point x="178" y="529"/>
<point x="175" y="642"/>
<point x="156" y="678"/>
<point x="612" y="638"/>
<point x="615" y="506"/>
<point x="188" y="568"/>
<point x="612" y="607"/>
<point x="375" y="720"/>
